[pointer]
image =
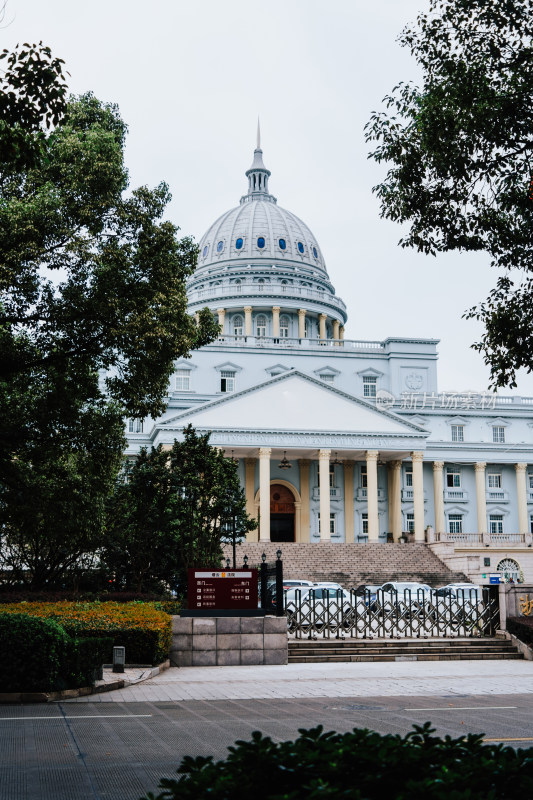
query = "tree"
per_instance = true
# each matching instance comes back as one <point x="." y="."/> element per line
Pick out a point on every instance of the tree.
<point x="170" y="511"/>
<point x="461" y="154"/>
<point x="93" y="312"/>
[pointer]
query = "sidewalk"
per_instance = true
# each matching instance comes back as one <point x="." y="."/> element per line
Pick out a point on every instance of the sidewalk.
<point x="423" y="678"/>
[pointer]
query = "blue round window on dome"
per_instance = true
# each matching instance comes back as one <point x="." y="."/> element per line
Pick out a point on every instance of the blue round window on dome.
<point x="282" y="244"/>
<point x="300" y="247"/>
<point x="239" y="243"/>
<point x="204" y="251"/>
<point x="315" y="252"/>
<point x="261" y="242"/>
<point x="220" y="246"/>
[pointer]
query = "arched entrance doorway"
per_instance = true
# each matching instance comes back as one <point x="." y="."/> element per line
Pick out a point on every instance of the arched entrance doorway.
<point x="281" y="514"/>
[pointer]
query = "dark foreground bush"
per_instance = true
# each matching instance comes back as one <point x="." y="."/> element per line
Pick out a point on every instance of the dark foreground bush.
<point x="360" y="765"/>
<point x="33" y="653"/>
<point x="85" y="659"/>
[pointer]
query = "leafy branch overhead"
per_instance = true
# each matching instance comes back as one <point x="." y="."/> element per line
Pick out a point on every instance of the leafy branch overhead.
<point x="460" y="153"/>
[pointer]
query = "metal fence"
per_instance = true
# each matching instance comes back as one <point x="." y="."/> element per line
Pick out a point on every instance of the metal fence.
<point x="338" y="613"/>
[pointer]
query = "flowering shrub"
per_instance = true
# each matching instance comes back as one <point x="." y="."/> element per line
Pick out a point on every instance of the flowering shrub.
<point x="145" y="631"/>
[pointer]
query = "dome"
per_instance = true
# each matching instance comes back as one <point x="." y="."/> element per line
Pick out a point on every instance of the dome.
<point x="258" y="230"/>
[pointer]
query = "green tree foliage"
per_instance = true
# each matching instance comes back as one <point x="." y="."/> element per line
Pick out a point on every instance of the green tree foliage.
<point x="92" y="313"/>
<point x="460" y="152"/>
<point x="169" y="512"/>
<point x="358" y="765"/>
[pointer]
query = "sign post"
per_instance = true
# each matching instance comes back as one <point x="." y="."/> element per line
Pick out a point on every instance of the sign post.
<point x="222" y="592"/>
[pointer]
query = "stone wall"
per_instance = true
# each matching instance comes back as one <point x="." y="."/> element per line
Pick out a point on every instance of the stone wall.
<point x="228" y="641"/>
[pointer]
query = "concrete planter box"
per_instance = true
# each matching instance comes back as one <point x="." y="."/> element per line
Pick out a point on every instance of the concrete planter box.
<point x="228" y="641"/>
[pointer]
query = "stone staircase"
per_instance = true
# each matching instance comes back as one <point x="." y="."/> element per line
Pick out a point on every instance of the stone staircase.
<point x="303" y="651"/>
<point x="352" y="564"/>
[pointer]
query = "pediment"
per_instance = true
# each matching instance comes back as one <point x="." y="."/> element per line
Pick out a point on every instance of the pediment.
<point x="294" y="402"/>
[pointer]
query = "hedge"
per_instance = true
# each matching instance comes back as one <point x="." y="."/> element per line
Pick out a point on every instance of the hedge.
<point x="39" y="656"/>
<point x="145" y="631"/>
<point x="359" y="765"/>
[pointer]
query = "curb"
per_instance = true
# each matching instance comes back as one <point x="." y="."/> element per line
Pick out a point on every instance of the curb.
<point x="83" y="691"/>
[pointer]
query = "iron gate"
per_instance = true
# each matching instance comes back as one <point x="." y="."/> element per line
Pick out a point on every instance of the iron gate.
<point x="338" y="613"/>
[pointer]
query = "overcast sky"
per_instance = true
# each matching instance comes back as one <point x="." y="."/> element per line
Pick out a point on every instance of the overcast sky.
<point x="190" y="78"/>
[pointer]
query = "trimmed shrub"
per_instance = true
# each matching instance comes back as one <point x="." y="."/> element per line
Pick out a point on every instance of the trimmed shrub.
<point x="34" y="654"/>
<point x="85" y="660"/>
<point x="359" y="765"/>
<point x="142" y="629"/>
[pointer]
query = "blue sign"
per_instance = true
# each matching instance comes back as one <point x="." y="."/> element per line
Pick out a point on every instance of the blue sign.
<point x="494" y="579"/>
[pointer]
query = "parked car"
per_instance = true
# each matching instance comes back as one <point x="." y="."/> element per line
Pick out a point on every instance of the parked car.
<point x="468" y="591"/>
<point x="289" y="584"/>
<point x="321" y="606"/>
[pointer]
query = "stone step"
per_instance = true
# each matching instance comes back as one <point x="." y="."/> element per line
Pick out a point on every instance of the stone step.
<point x="476" y="656"/>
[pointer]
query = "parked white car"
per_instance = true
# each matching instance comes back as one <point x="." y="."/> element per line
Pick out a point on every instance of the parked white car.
<point x="321" y="606"/>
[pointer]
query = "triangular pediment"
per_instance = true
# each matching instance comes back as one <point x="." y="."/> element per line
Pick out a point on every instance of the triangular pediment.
<point x="294" y="402"/>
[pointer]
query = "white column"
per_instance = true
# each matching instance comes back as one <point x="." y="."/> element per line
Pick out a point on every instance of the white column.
<point x="247" y="320"/>
<point x="275" y="321"/>
<point x="395" y="499"/>
<point x="221" y="316"/>
<point x="322" y="325"/>
<point x="301" y="323"/>
<point x="438" y="492"/>
<point x="418" y="494"/>
<point x="341" y="332"/>
<point x="336" y="324"/>
<point x="481" y="497"/>
<point x="372" y="494"/>
<point x="264" y="494"/>
<point x="305" y="529"/>
<point x="323" y="467"/>
<point x="521" y="493"/>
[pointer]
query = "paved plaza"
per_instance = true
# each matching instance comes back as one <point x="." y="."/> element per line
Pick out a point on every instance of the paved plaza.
<point x="117" y="745"/>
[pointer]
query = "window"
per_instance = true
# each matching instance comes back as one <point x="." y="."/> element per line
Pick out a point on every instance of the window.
<point x="364" y="477"/>
<point x="260" y="242"/>
<point x="183" y="380"/>
<point x="237" y="326"/>
<point x="261" y="283"/>
<point x="306" y="329"/>
<point x="327" y="378"/>
<point x="498" y="434"/>
<point x="453" y="478"/>
<point x="135" y="426"/>
<point x="261" y="325"/>
<point x="458" y="433"/>
<point x="282" y="244"/>
<point x="409" y="478"/>
<point x="227" y="381"/>
<point x="220" y="246"/>
<point x="495" y="480"/>
<point x="284" y="326"/>
<point x="315" y="252"/>
<point x="455" y="523"/>
<point x="364" y="523"/>
<point x="410" y="522"/>
<point x="239" y="243"/>
<point x="331" y="475"/>
<point x="496" y="523"/>
<point x="300" y="247"/>
<point x="530" y="479"/>
<point x="332" y="523"/>
<point x="369" y="386"/>
<point x="510" y="571"/>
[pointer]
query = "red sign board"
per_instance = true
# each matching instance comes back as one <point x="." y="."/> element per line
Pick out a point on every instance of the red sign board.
<point x="222" y="589"/>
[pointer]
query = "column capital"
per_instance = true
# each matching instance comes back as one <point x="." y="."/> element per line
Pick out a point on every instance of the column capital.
<point x="250" y="461"/>
<point x="264" y="451"/>
<point x="322" y="316"/>
<point x="324" y="454"/>
<point x="276" y="308"/>
<point x="395" y="466"/>
<point x="348" y="464"/>
<point x="520" y="467"/>
<point x="302" y="312"/>
<point x="220" y="310"/>
<point x="438" y="465"/>
<point x="248" y="309"/>
<point x="417" y="455"/>
<point x="372" y="455"/>
<point x="479" y="466"/>
<point x="304" y="462"/>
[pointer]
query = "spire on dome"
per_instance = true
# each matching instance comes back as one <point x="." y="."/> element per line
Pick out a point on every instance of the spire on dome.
<point x="258" y="176"/>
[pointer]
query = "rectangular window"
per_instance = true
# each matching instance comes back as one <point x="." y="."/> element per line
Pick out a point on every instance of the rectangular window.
<point x="495" y="480"/>
<point x="453" y="479"/>
<point x="364" y="477"/>
<point x="183" y="380"/>
<point x="409" y="477"/>
<point x="458" y="433"/>
<point x="327" y="378"/>
<point x="496" y="523"/>
<point x="530" y="479"/>
<point x="455" y="523"/>
<point x="332" y="475"/>
<point x="410" y="522"/>
<point x="364" y="523"/>
<point x="332" y="523"/>
<point x="135" y="426"/>
<point x="227" y="381"/>
<point x="369" y="385"/>
<point x="498" y="434"/>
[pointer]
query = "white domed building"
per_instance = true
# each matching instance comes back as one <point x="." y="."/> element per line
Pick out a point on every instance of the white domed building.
<point x="301" y="407"/>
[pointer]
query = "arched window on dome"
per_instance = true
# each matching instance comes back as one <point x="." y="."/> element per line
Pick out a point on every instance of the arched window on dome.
<point x="261" y="284"/>
<point x="261" y="325"/>
<point x="284" y="326"/>
<point x="307" y="328"/>
<point x="238" y="325"/>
